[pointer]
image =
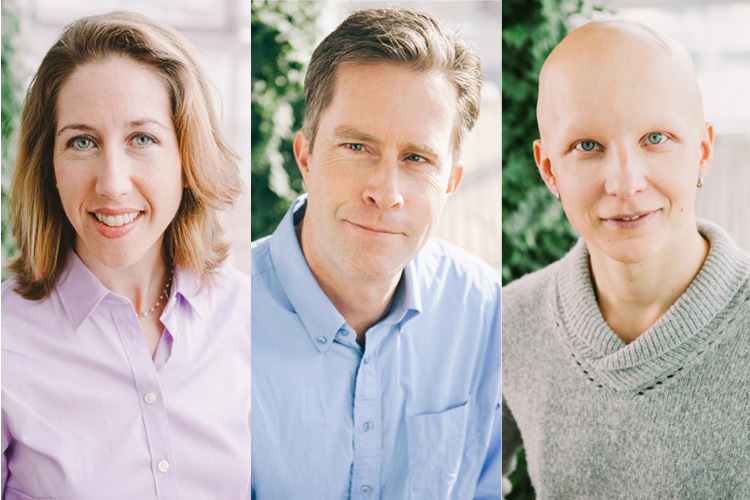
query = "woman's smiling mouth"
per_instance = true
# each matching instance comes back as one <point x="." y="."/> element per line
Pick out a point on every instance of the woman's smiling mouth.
<point x="630" y="221"/>
<point x="115" y="225"/>
<point x="116" y="220"/>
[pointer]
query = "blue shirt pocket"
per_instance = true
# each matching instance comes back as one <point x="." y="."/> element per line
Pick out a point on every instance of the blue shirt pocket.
<point x="435" y="446"/>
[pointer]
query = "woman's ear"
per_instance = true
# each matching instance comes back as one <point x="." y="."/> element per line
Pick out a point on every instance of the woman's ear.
<point x="545" y="167"/>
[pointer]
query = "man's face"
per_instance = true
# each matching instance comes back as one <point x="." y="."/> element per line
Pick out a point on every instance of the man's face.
<point x="623" y="140"/>
<point x="380" y="170"/>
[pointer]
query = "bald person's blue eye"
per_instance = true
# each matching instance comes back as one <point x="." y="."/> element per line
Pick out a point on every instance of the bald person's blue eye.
<point x="588" y="146"/>
<point x="655" y="138"/>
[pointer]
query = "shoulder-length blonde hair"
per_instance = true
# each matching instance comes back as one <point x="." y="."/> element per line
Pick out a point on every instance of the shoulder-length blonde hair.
<point x="195" y="239"/>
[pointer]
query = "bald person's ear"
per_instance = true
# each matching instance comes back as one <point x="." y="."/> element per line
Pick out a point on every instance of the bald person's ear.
<point x="545" y="167"/>
<point x="707" y="151"/>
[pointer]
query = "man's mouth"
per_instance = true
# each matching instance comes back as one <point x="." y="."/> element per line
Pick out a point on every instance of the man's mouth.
<point x="375" y="229"/>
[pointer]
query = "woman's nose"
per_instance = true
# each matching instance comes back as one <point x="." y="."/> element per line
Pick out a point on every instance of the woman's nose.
<point x="113" y="175"/>
<point x="625" y="174"/>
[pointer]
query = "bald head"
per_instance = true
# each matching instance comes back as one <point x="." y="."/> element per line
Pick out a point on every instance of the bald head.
<point x="616" y="70"/>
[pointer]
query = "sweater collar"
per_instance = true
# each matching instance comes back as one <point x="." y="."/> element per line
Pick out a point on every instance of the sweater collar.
<point x="690" y="321"/>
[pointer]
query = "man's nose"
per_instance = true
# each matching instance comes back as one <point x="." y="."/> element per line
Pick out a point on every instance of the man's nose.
<point x="383" y="185"/>
<point x="625" y="173"/>
<point x="113" y="174"/>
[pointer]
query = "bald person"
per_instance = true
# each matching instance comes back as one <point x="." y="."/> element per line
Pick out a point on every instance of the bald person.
<point x="626" y="364"/>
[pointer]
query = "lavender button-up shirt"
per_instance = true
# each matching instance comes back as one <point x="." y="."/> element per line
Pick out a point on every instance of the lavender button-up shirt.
<point x="86" y="412"/>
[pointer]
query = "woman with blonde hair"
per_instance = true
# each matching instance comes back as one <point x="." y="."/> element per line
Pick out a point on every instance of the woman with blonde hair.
<point x="125" y="344"/>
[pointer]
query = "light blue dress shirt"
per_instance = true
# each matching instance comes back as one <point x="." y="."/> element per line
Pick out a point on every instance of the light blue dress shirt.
<point x="415" y="414"/>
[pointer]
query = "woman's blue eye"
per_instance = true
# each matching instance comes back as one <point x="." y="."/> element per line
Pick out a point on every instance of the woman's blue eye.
<point x="656" y="138"/>
<point x="588" y="145"/>
<point x="82" y="143"/>
<point x="143" y="140"/>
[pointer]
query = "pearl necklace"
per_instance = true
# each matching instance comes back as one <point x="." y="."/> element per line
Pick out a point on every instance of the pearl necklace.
<point x="164" y="294"/>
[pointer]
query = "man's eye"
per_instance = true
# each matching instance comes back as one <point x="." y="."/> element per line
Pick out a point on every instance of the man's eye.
<point x="416" y="158"/>
<point x="588" y="146"/>
<point x="355" y="147"/>
<point x="80" y="143"/>
<point x="143" y="140"/>
<point x="654" y="138"/>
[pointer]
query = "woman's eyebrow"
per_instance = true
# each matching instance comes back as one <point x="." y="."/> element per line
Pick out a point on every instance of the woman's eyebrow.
<point x="75" y="126"/>
<point x="134" y="123"/>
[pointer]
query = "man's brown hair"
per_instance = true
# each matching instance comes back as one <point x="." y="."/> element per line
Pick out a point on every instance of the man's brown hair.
<point x="402" y="37"/>
<point x="195" y="239"/>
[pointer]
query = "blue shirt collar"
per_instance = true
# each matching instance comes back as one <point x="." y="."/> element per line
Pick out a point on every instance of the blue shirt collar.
<point x="319" y="316"/>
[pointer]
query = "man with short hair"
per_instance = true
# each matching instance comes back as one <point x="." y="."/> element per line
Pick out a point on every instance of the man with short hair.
<point x="376" y="350"/>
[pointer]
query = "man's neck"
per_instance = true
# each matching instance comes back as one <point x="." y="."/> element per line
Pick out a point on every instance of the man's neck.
<point x="361" y="303"/>
<point x="633" y="296"/>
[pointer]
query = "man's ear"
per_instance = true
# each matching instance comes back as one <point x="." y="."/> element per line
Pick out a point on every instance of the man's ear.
<point x="455" y="179"/>
<point x="707" y="151"/>
<point x="302" y="154"/>
<point x="545" y="167"/>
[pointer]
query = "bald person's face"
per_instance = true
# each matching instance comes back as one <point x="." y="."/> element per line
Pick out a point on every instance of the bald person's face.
<point x="623" y="138"/>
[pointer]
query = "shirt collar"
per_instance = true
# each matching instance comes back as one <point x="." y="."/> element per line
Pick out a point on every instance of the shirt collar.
<point x="80" y="291"/>
<point x="188" y="286"/>
<point x="319" y="316"/>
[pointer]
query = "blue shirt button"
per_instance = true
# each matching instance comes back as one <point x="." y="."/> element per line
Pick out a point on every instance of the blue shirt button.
<point x="365" y="490"/>
<point x="322" y="340"/>
<point x="344" y="332"/>
<point x="367" y="359"/>
<point x="368" y="426"/>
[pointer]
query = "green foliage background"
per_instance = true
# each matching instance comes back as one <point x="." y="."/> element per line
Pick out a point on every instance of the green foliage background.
<point x="283" y="37"/>
<point x="12" y="95"/>
<point x="535" y="229"/>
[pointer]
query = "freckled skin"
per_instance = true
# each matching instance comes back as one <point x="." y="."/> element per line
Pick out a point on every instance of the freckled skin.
<point x="115" y="163"/>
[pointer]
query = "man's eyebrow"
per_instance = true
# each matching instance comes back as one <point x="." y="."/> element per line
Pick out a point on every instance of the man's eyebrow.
<point x="421" y="149"/>
<point x="353" y="134"/>
<point x="134" y="123"/>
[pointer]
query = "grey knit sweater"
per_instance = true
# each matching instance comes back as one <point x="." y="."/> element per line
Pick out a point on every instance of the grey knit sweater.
<point x="664" y="417"/>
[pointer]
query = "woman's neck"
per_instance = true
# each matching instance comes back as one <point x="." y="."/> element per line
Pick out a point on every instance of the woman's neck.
<point x="142" y="282"/>
<point x="633" y="296"/>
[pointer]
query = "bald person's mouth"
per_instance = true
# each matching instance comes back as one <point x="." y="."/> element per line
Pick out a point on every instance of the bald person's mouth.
<point x="626" y="221"/>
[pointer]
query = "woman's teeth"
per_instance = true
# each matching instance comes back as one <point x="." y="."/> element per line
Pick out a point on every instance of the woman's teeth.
<point x="116" y="220"/>
<point x="631" y="218"/>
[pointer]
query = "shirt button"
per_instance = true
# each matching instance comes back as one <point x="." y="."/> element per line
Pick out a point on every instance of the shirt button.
<point x="150" y="398"/>
<point x="367" y="359"/>
<point x="163" y="466"/>
<point x="365" y="490"/>
<point x="322" y="340"/>
<point x="344" y="332"/>
<point x="368" y="426"/>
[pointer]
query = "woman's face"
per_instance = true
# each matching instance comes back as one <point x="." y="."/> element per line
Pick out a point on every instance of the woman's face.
<point x="117" y="161"/>
<point x="624" y="143"/>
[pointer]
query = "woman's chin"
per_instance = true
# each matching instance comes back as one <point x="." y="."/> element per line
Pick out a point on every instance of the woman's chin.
<point x="119" y="254"/>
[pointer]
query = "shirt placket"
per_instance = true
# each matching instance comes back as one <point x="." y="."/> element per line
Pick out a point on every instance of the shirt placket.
<point x="368" y="424"/>
<point x="150" y="399"/>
